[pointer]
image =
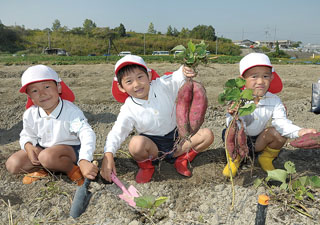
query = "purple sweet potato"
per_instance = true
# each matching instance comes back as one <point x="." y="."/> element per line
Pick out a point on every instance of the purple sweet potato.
<point x="243" y="149"/>
<point x="307" y="141"/>
<point x="198" y="107"/>
<point x="184" y="100"/>
<point x="231" y="139"/>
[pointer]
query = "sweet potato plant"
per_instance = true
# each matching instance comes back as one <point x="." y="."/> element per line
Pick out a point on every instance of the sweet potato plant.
<point x="194" y="54"/>
<point x="295" y="191"/>
<point x="192" y="100"/>
<point x="235" y="137"/>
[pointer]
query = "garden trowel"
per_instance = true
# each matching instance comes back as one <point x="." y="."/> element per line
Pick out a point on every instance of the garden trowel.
<point x="127" y="194"/>
<point x="81" y="198"/>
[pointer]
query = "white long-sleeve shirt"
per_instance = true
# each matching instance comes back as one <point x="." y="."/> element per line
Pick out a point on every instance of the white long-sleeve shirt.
<point x="155" y="116"/>
<point x="270" y="106"/>
<point x="66" y="125"/>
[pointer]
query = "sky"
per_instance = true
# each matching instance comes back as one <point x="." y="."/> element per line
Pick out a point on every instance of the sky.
<point x="266" y="20"/>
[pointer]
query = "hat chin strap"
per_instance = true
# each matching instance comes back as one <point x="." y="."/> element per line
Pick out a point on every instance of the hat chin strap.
<point x="59" y="88"/>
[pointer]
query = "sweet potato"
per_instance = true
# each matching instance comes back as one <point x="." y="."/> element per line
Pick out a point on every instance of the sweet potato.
<point x="231" y="139"/>
<point x="184" y="100"/>
<point x="307" y="141"/>
<point x="198" y="107"/>
<point x="243" y="149"/>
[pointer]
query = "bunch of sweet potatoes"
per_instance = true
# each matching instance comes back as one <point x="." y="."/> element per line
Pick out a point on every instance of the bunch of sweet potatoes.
<point x="236" y="139"/>
<point x="191" y="108"/>
<point x="307" y="141"/>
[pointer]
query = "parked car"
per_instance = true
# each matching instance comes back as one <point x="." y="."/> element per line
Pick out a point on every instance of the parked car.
<point x="177" y="53"/>
<point x="92" y="54"/>
<point x="160" y="53"/>
<point x="124" y="53"/>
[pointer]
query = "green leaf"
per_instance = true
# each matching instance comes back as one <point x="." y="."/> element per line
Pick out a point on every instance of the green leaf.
<point x="179" y="48"/>
<point x="257" y="182"/>
<point x="160" y="200"/>
<point x="232" y="94"/>
<point x="247" y="109"/>
<point x="315" y="181"/>
<point x="304" y="181"/>
<point x="310" y="195"/>
<point x="303" y="189"/>
<point x="278" y="175"/>
<point x="296" y="185"/>
<point x="191" y="46"/>
<point x="221" y="98"/>
<point x="284" y="186"/>
<point x="240" y="82"/>
<point x="146" y="201"/>
<point x="247" y="94"/>
<point x="290" y="167"/>
<point x="231" y="83"/>
<point x="298" y="195"/>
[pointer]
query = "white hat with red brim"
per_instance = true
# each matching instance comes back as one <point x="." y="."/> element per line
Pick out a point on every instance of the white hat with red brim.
<point x="125" y="61"/>
<point x="40" y="73"/>
<point x="260" y="59"/>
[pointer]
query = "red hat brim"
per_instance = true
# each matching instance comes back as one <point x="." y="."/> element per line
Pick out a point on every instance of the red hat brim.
<point x="276" y="84"/>
<point x="121" y="96"/>
<point x="66" y="94"/>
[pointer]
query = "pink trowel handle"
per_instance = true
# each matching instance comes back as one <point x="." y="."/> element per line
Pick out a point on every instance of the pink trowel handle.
<point x="116" y="180"/>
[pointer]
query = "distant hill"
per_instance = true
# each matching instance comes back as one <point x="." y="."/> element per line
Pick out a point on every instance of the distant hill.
<point x="97" y="41"/>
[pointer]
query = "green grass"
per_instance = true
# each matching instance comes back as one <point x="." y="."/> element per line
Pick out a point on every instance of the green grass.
<point x="7" y="59"/>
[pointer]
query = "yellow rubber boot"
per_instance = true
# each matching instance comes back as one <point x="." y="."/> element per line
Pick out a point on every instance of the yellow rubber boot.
<point x="266" y="157"/>
<point x="234" y="165"/>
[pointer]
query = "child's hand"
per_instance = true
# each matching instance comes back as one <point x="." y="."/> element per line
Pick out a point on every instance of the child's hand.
<point x="88" y="169"/>
<point x="108" y="166"/>
<point x="33" y="152"/>
<point x="304" y="131"/>
<point x="232" y="109"/>
<point x="189" y="72"/>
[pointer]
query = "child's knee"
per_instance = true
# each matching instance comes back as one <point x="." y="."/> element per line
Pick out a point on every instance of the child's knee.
<point x="207" y="136"/>
<point x="12" y="166"/>
<point x="45" y="159"/>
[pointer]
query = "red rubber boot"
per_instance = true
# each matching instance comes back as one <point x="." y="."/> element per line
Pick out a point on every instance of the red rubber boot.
<point x="181" y="163"/>
<point x="146" y="170"/>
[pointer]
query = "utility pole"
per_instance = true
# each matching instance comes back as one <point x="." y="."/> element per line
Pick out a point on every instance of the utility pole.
<point x="109" y="46"/>
<point x="217" y="44"/>
<point x="144" y="44"/>
<point x="49" y="40"/>
<point x="242" y="34"/>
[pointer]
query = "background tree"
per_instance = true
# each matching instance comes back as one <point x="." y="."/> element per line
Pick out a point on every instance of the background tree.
<point x="88" y="26"/>
<point x="203" y="32"/>
<point x="151" y="29"/>
<point x="122" y="30"/>
<point x="56" y="25"/>
<point x="175" y="32"/>
<point x="77" y="30"/>
<point x="184" y="33"/>
<point x="10" y="40"/>
<point x="169" y="31"/>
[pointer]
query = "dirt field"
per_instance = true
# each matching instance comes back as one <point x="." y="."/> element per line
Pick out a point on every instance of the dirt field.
<point x="205" y="198"/>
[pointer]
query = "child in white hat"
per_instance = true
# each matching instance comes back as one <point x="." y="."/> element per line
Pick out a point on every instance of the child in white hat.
<point x="149" y="107"/>
<point x="56" y="135"/>
<point x="260" y="76"/>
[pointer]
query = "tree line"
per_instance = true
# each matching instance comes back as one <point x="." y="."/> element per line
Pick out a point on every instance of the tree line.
<point x="90" y="39"/>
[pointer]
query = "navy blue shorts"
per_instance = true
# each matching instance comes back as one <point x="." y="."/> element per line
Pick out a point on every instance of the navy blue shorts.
<point x="165" y="144"/>
<point x="76" y="149"/>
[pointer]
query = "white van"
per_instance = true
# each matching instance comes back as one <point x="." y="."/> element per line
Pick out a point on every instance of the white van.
<point x="176" y="53"/>
<point x="124" y="53"/>
<point x="160" y="53"/>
